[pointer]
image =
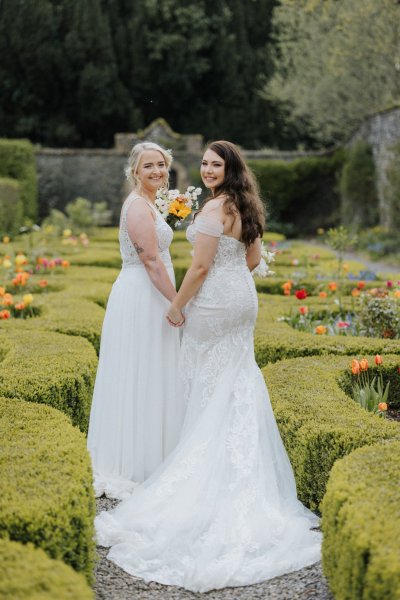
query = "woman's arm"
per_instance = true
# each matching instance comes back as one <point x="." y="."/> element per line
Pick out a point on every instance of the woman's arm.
<point x="209" y="230"/>
<point x="253" y="254"/>
<point x="142" y="233"/>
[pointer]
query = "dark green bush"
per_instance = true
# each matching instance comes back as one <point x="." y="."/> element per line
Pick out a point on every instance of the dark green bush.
<point x="301" y="193"/>
<point x="359" y="199"/>
<point x="46" y="486"/>
<point x="392" y="193"/>
<point x="28" y="574"/>
<point x="361" y="525"/>
<point x="17" y="161"/>
<point x="11" y="208"/>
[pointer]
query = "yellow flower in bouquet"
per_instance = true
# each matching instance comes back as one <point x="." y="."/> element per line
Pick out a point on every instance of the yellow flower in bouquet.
<point x="179" y="208"/>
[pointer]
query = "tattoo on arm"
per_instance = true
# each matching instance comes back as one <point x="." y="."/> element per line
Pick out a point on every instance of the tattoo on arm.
<point x="138" y="249"/>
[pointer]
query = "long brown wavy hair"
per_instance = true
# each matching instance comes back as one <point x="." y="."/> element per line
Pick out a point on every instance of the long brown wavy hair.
<point x="241" y="191"/>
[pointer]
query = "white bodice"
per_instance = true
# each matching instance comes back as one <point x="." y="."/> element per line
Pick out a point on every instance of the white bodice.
<point x="164" y="232"/>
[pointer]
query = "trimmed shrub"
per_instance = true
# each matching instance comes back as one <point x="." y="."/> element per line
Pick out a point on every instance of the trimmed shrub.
<point x="361" y="526"/>
<point x="28" y="574"/>
<point x="17" y="160"/>
<point x="48" y="368"/>
<point x="11" y="208"/>
<point x="301" y="193"/>
<point x="318" y="422"/>
<point x="359" y="198"/>
<point x="47" y="496"/>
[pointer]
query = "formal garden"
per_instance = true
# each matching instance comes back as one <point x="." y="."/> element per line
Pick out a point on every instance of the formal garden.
<point x="320" y="316"/>
<point x="321" y="132"/>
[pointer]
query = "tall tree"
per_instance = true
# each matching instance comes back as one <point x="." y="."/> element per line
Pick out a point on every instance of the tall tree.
<point x="336" y="61"/>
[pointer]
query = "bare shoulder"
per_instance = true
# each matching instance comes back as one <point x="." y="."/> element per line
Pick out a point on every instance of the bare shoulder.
<point x="214" y="208"/>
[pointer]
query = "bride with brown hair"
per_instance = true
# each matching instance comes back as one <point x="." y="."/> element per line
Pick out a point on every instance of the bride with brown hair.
<point x="222" y="510"/>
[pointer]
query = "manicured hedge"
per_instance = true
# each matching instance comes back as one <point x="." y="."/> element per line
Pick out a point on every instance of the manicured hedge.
<point x="361" y="525"/>
<point x="28" y="574"/>
<point x="46" y="496"/>
<point x="17" y="160"/>
<point x="11" y="208"/>
<point x="318" y="422"/>
<point x="49" y="368"/>
<point x="302" y="192"/>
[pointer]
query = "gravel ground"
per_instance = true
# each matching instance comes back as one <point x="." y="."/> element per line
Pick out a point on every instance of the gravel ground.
<point x="112" y="583"/>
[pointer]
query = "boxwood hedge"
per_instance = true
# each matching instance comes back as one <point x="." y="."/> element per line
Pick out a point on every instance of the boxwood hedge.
<point x="28" y="574"/>
<point x="361" y="525"/>
<point x="46" y="486"/>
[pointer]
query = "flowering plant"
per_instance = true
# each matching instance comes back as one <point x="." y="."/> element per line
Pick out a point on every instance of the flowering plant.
<point x="262" y="269"/>
<point x="174" y="206"/>
<point x="371" y="395"/>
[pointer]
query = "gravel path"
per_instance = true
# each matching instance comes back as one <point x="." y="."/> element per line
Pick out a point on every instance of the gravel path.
<point x="112" y="583"/>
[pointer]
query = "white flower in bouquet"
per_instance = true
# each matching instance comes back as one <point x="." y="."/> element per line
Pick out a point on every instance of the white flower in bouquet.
<point x="262" y="269"/>
<point x="175" y="206"/>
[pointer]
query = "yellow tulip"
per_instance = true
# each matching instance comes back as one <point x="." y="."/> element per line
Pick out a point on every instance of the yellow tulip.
<point x="28" y="299"/>
<point x="6" y="263"/>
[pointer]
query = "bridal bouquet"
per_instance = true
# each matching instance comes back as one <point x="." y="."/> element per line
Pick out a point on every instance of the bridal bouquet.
<point x="175" y="206"/>
<point x="267" y="257"/>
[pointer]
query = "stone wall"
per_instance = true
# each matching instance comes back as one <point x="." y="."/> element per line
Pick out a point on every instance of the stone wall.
<point x="98" y="175"/>
<point x="381" y="131"/>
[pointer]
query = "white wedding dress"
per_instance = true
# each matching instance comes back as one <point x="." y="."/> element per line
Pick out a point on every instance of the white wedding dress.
<point x="137" y="410"/>
<point x="222" y="509"/>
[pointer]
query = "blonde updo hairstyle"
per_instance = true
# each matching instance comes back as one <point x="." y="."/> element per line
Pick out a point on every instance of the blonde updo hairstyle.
<point x="134" y="160"/>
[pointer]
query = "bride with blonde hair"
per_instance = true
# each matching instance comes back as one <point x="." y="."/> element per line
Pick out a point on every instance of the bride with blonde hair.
<point x="137" y="412"/>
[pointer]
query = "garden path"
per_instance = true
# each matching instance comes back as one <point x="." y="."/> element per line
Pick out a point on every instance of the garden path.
<point x="380" y="267"/>
<point x="112" y="583"/>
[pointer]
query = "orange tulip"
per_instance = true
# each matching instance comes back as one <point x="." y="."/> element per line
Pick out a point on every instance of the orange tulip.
<point x="303" y="310"/>
<point x="322" y="294"/>
<point x="364" y="364"/>
<point x="355" y="367"/>
<point x="2" y="290"/>
<point x="65" y="263"/>
<point x="320" y="330"/>
<point x="355" y="292"/>
<point x="382" y="406"/>
<point x="43" y="283"/>
<point x="20" y="306"/>
<point x="5" y="314"/>
<point x="332" y="286"/>
<point x="397" y="294"/>
<point x="361" y="285"/>
<point x="8" y="300"/>
<point x="378" y="359"/>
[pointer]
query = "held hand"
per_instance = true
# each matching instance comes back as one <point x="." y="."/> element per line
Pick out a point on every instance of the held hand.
<point x="175" y="317"/>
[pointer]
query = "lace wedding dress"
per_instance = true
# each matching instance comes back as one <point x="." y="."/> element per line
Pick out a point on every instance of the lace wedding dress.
<point x="222" y="509"/>
<point x="137" y="412"/>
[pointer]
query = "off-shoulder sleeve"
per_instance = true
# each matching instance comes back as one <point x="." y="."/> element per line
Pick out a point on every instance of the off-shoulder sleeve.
<point x="209" y="226"/>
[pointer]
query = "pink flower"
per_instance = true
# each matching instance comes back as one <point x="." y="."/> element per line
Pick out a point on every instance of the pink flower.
<point x="389" y="284"/>
<point x="343" y="324"/>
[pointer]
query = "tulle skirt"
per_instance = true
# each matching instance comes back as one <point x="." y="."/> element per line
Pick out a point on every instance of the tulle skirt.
<point x="137" y="409"/>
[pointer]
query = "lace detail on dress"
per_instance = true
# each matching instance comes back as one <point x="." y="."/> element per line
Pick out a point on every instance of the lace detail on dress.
<point x="164" y="234"/>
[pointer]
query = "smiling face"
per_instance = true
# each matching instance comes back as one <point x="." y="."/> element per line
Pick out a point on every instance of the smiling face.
<point x="152" y="172"/>
<point x="212" y="170"/>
